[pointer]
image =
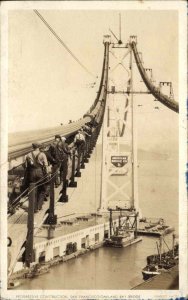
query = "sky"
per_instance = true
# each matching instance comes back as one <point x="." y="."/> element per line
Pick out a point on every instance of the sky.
<point x="48" y="87"/>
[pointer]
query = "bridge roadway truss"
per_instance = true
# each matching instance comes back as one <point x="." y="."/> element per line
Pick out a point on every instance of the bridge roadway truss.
<point x="119" y="147"/>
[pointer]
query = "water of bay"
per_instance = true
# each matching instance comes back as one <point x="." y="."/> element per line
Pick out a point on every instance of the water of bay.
<point x="110" y="268"/>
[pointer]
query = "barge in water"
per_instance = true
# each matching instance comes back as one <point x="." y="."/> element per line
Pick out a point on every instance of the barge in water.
<point x="161" y="262"/>
<point x="125" y="234"/>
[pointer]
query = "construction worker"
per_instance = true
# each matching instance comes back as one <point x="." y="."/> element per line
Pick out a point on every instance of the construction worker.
<point x="79" y="142"/>
<point x="65" y="147"/>
<point x="52" y="148"/>
<point x="64" y="154"/>
<point x="45" y="149"/>
<point x="87" y="129"/>
<point x="79" y="139"/>
<point x="50" y="159"/>
<point x="53" y="153"/>
<point x="37" y="169"/>
<point x="87" y="132"/>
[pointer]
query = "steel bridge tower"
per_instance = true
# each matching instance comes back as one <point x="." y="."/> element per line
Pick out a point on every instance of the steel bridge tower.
<point x="119" y="148"/>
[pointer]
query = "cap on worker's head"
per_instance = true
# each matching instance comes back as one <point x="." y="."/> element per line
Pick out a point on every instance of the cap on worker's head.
<point x="35" y="145"/>
<point x="42" y="146"/>
<point x="57" y="136"/>
<point x="63" y="138"/>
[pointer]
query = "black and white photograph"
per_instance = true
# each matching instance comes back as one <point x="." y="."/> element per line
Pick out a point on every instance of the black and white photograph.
<point x="93" y="150"/>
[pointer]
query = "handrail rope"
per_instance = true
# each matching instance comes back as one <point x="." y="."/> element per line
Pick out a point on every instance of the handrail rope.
<point x="65" y="216"/>
<point x="45" y="176"/>
<point x="15" y="200"/>
<point x="28" y="188"/>
<point x="49" y="179"/>
<point x="30" y="192"/>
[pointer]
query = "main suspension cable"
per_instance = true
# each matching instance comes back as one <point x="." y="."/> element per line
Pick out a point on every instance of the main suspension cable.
<point x="62" y="43"/>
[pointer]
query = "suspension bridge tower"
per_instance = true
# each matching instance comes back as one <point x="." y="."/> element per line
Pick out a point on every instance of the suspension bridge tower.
<point x="119" y="149"/>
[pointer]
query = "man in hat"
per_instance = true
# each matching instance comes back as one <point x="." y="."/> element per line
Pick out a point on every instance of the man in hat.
<point x="45" y="149"/>
<point x="57" y="137"/>
<point x="65" y="153"/>
<point x="37" y="158"/>
<point x="80" y="142"/>
<point x="53" y="152"/>
<point x="79" y="139"/>
<point x="87" y="132"/>
<point x="65" y="147"/>
<point x="36" y="169"/>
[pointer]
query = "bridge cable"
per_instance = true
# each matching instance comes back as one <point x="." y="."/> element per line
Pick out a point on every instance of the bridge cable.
<point x="172" y="104"/>
<point x="62" y="43"/>
<point x="40" y="180"/>
<point x="37" y="185"/>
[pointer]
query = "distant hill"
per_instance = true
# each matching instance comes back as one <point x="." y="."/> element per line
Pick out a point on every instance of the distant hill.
<point x="149" y="155"/>
<point x="143" y="154"/>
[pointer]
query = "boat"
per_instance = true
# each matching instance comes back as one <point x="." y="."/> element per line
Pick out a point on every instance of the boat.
<point x="13" y="284"/>
<point x="122" y="239"/>
<point x="161" y="262"/>
<point x="150" y="271"/>
<point x="153" y="227"/>
<point x="124" y="235"/>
